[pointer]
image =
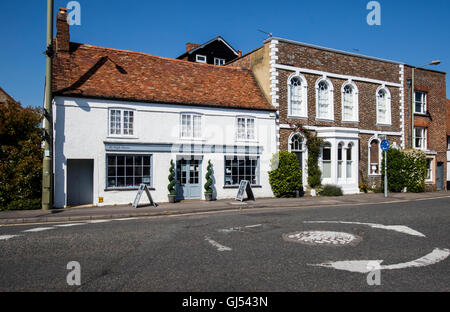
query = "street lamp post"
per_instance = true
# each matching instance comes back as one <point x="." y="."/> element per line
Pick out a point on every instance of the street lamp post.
<point x="411" y="109"/>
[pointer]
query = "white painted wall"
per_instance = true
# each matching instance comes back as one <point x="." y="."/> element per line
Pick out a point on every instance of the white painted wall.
<point x="81" y="131"/>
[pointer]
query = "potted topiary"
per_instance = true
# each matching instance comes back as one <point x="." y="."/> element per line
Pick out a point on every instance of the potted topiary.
<point x="209" y="183"/>
<point x="172" y="183"/>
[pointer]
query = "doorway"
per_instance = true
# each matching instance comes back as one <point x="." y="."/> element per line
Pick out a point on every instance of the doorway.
<point x="80" y="182"/>
<point x="189" y="185"/>
<point x="440" y="176"/>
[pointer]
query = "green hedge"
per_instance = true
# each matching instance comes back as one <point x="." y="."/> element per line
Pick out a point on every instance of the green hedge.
<point x="331" y="190"/>
<point x="405" y="169"/>
<point x="286" y="175"/>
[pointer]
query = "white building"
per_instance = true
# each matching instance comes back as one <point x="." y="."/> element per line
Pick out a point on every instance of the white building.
<point x="120" y="117"/>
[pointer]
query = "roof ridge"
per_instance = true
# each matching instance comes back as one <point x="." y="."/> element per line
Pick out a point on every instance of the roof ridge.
<point x="83" y="45"/>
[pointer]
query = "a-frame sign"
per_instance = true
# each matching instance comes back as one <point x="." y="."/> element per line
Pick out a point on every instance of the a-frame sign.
<point x="143" y="188"/>
<point x="245" y="187"/>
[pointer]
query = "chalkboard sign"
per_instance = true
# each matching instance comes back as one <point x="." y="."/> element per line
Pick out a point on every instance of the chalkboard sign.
<point x="245" y="187"/>
<point x="143" y="188"/>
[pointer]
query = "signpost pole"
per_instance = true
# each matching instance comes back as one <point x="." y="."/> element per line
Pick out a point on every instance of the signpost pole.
<point x="385" y="175"/>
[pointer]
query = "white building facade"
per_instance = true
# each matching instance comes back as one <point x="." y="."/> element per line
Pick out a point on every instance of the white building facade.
<point x="105" y="149"/>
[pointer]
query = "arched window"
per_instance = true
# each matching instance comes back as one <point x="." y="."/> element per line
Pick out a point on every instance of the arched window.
<point x="324" y="90"/>
<point x="349" y="102"/>
<point x="326" y="161"/>
<point x="297" y="147"/>
<point x="383" y="106"/>
<point x="374" y="157"/>
<point x="298" y="96"/>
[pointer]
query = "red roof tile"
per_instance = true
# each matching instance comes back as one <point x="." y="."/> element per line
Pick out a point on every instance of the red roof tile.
<point x="97" y="72"/>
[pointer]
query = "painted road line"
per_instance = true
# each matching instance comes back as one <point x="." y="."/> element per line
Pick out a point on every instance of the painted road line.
<point x="6" y="237"/>
<point x="125" y="219"/>
<point x="363" y="266"/>
<point x="40" y="229"/>
<point x="217" y="245"/>
<point x="397" y="228"/>
<point x="239" y="228"/>
<point x="99" y="221"/>
<point x="70" y="224"/>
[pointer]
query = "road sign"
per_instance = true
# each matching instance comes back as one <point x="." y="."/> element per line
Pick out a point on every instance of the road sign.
<point x="385" y="145"/>
<point x="245" y="187"/>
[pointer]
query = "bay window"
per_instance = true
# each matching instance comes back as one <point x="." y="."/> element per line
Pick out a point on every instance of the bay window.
<point x="326" y="161"/>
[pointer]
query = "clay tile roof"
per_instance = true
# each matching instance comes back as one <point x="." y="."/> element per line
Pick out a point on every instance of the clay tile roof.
<point x="97" y="72"/>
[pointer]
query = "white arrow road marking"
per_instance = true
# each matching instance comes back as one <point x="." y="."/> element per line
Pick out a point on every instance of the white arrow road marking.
<point x="217" y="245"/>
<point x="39" y="229"/>
<point x="239" y="228"/>
<point x="69" y="225"/>
<point x="396" y="228"/>
<point x="362" y="266"/>
<point x="6" y="237"/>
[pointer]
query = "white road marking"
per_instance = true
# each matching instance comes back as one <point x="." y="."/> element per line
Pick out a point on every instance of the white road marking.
<point x="126" y="219"/>
<point x="40" y="229"/>
<point x="6" y="237"/>
<point x="99" y="221"/>
<point x="69" y="225"/>
<point x="362" y="266"/>
<point x="239" y="228"/>
<point x="217" y="245"/>
<point x="396" y="228"/>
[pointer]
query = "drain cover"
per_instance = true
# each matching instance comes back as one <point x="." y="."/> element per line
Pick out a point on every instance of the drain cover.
<point x="323" y="238"/>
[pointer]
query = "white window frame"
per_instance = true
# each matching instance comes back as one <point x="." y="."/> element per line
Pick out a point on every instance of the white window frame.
<point x="304" y="96"/>
<point x="330" y="115"/>
<point x="388" y="117"/>
<point x="423" y="137"/>
<point x="431" y="170"/>
<point x="219" y="61"/>
<point x="370" y="157"/>
<point x="192" y="133"/>
<point x="246" y="129"/>
<point x="327" y="145"/>
<point x="200" y="61"/>
<point x="355" y="101"/>
<point x="121" y="122"/>
<point x="423" y="102"/>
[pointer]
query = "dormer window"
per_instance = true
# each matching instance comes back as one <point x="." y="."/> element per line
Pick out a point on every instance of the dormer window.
<point x="200" y="58"/>
<point x="219" y="61"/>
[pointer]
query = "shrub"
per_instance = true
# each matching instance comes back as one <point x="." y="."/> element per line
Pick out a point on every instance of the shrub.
<point x="172" y="181"/>
<point x="25" y="204"/>
<point x="405" y="169"/>
<point x="331" y="190"/>
<point x="209" y="180"/>
<point x="286" y="175"/>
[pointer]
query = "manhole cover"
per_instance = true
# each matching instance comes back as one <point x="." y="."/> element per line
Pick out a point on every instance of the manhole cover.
<point x="323" y="238"/>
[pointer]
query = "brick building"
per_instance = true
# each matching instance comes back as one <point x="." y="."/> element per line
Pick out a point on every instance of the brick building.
<point x="353" y="102"/>
<point x="448" y="144"/>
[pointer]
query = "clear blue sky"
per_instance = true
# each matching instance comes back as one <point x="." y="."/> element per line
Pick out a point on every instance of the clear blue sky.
<point x="412" y="31"/>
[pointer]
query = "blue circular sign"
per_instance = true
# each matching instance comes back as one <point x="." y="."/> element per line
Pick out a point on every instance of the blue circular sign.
<point x="385" y="145"/>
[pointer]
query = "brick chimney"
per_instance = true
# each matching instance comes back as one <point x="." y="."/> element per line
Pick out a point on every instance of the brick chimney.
<point x="62" y="32"/>
<point x="239" y="53"/>
<point x="190" y="46"/>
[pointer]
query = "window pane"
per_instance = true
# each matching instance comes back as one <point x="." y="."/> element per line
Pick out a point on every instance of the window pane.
<point x="129" y="171"/>
<point x="349" y="169"/>
<point x="326" y="169"/>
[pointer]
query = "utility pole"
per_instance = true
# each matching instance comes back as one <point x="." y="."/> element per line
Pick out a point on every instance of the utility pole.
<point x="47" y="163"/>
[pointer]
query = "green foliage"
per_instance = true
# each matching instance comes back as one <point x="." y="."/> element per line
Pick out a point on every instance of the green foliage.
<point x="172" y="181"/>
<point x="209" y="180"/>
<point x="286" y="178"/>
<point x="405" y="169"/>
<point x="20" y="157"/>
<point x="331" y="190"/>
<point x="25" y="204"/>
<point x="313" y="143"/>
